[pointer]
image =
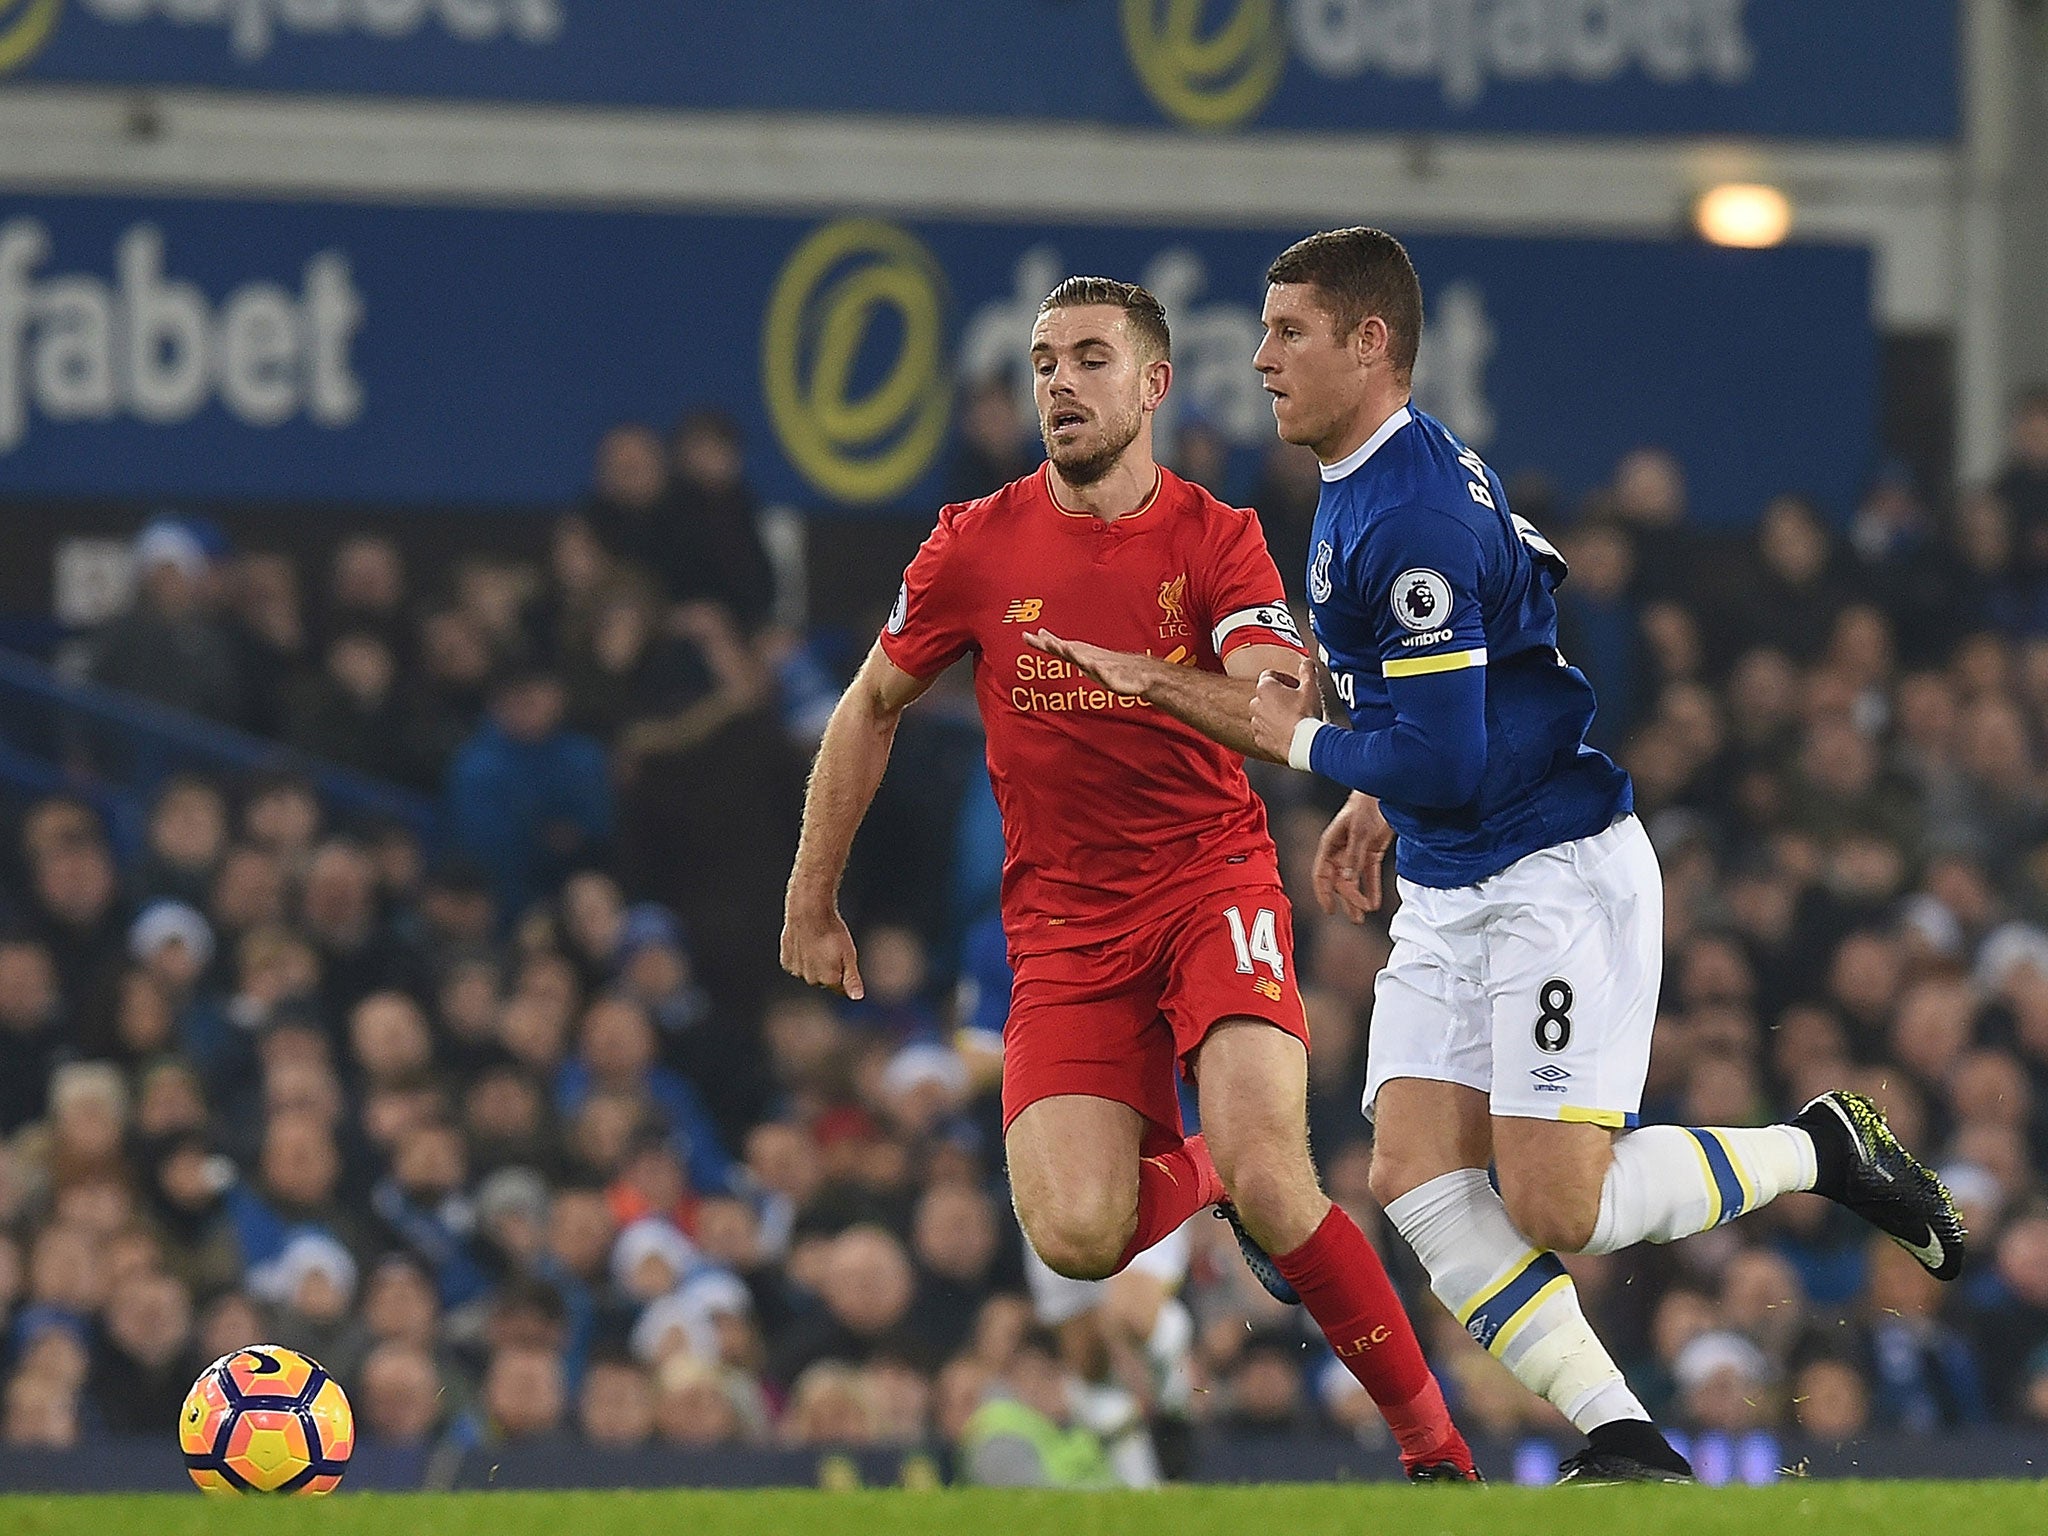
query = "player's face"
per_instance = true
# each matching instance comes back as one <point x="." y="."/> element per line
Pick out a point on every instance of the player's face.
<point x="1093" y="382"/>
<point x="1314" y="375"/>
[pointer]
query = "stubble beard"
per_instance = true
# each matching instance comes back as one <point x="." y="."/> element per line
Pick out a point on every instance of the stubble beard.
<point x="1299" y="434"/>
<point x="1088" y="469"/>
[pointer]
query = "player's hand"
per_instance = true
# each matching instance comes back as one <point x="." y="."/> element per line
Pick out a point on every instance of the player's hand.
<point x="818" y="948"/>
<point x="1348" y="859"/>
<point x="1123" y="672"/>
<point x="1279" y="704"/>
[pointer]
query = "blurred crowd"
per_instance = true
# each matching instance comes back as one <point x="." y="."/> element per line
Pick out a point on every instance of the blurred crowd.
<point x="514" y="1127"/>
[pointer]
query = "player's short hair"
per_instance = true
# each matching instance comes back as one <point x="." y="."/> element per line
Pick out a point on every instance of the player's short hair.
<point x="1360" y="272"/>
<point x="1147" y="316"/>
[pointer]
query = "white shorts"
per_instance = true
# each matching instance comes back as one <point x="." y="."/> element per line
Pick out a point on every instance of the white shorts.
<point x="1537" y="986"/>
<point x="1056" y="1299"/>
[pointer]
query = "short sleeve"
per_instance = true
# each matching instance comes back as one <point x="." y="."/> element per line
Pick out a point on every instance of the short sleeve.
<point x="1247" y="605"/>
<point x="929" y="628"/>
<point x="1421" y="587"/>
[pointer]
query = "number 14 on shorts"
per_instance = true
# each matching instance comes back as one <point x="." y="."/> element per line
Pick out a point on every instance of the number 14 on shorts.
<point x="1261" y="944"/>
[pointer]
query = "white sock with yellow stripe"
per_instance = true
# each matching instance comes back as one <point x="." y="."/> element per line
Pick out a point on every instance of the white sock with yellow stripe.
<point x="1512" y="1297"/>
<point x="1670" y="1181"/>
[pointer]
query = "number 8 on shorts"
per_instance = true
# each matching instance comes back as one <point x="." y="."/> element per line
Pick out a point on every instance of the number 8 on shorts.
<point x="1554" y="1016"/>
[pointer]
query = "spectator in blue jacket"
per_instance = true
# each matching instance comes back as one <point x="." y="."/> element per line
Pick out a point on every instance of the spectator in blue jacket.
<point x="1599" y="625"/>
<point x="530" y="801"/>
<point x="423" y="1206"/>
<point x="617" y="1053"/>
<point x="1927" y="1375"/>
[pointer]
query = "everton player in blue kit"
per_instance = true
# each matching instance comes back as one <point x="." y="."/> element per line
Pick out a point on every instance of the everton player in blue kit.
<point x="1512" y="1023"/>
<point x="1511" y="1026"/>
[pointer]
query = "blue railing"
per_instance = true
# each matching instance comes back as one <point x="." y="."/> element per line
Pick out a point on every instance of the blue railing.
<point x="114" y="749"/>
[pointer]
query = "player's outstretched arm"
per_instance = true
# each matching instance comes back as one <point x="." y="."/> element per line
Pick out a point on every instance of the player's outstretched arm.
<point x="1217" y="704"/>
<point x="816" y="945"/>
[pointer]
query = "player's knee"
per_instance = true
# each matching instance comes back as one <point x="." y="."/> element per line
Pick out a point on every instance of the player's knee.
<point x="1556" y="1219"/>
<point x="1077" y="1253"/>
<point x="1082" y="1240"/>
<point x="1393" y="1176"/>
<point x="1266" y="1184"/>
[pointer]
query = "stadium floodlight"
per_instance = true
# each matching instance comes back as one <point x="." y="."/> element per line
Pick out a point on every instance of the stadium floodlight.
<point x="1747" y="214"/>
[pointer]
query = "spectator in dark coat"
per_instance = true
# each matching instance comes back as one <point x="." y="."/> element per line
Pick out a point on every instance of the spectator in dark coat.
<point x="350" y="713"/>
<point x="630" y="479"/>
<point x="996" y="441"/>
<point x="358" y="950"/>
<point x="168" y="648"/>
<point x="2024" y="483"/>
<point x="366" y="590"/>
<point x="955" y="1237"/>
<point x="32" y="1034"/>
<point x="1649" y="498"/>
<point x="619" y="668"/>
<point x="79" y="913"/>
<point x="867" y="1286"/>
<point x="445" y="695"/>
<point x="1970" y="585"/>
<point x="187" y="837"/>
<point x="143" y="1359"/>
<point x="707" y="547"/>
<point x="1794" y="589"/>
<point x="266" y="628"/>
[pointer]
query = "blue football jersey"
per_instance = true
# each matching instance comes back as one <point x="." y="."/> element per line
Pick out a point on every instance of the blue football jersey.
<point x="1417" y="568"/>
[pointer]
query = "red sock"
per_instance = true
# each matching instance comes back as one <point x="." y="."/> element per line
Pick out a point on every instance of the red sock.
<point x="1171" y="1188"/>
<point x="1346" y="1290"/>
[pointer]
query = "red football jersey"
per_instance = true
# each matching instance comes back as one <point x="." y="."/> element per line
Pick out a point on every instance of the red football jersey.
<point x="1112" y="809"/>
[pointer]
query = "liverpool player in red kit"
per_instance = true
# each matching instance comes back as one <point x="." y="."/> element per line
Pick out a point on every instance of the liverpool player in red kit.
<point x="1141" y="893"/>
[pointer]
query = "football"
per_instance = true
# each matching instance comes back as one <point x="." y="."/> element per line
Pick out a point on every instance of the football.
<point x="266" y="1420"/>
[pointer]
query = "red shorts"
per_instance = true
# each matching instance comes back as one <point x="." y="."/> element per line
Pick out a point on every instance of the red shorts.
<point x="1113" y="1019"/>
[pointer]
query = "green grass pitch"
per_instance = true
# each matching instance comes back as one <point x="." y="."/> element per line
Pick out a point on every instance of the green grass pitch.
<point x="1791" y="1509"/>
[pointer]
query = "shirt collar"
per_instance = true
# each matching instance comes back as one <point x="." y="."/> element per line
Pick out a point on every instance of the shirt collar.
<point x="1044" y="473"/>
<point x="1368" y="448"/>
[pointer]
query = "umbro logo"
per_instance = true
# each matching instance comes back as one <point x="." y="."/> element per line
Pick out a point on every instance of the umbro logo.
<point x="1549" y="1073"/>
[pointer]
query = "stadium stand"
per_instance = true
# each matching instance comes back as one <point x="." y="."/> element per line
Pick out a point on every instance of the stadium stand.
<point x="442" y="1038"/>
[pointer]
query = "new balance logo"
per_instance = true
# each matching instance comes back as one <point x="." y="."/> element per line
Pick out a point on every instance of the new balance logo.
<point x="1268" y="988"/>
<point x="1025" y="610"/>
